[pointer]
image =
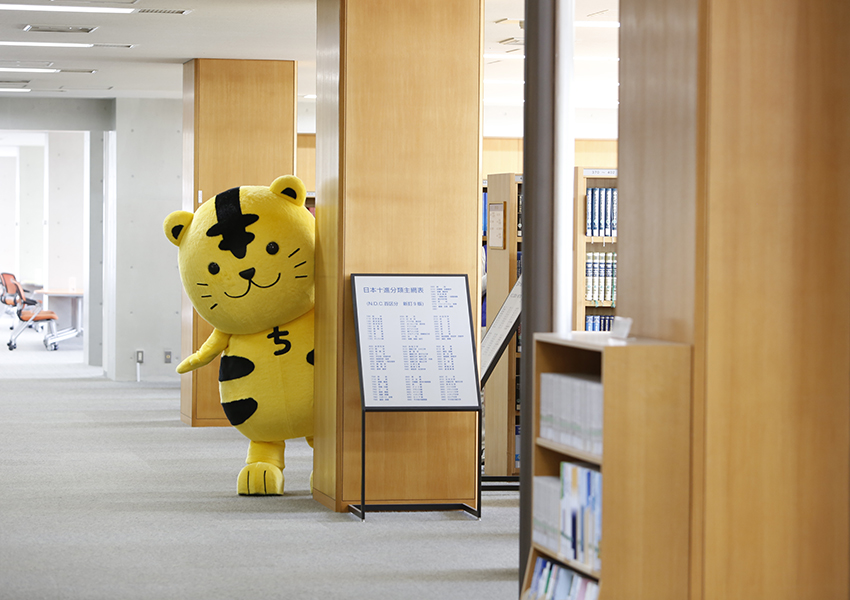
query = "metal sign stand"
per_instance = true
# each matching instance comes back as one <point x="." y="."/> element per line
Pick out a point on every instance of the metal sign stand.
<point x="382" y="291"/>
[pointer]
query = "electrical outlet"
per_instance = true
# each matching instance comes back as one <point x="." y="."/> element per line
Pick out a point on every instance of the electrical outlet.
<point x="168" y="357"/>
<point x="140" y="356"/>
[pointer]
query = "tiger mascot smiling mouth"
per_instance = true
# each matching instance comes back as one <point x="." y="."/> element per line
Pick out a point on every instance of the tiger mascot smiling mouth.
<point x="246" y="260"/>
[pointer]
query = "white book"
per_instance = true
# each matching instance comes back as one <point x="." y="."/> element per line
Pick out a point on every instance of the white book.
<point x="609" y="276"/>
<point x="588" y="276"/>
<point x="614" y="280"/>
<point x="595" y="219"/>
<point x="609" y="202"/>
<point x="589" y="231"/>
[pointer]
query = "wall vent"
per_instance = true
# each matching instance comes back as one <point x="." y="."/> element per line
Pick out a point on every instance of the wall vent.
<point x="113" y="45"/>
<point x="163" y="11"/>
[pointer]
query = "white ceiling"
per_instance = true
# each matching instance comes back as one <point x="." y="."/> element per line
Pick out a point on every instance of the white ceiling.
<point x="274" y="29"/>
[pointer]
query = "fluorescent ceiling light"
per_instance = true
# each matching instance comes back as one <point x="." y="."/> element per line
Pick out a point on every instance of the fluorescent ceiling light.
<point x="596" y="24"/>
<point x="505" y="56"/>
<point x="48" y="44"/>
<point x="77" y="9"/>
<point x="2" y="90"/>
<point x="23" y="70"/>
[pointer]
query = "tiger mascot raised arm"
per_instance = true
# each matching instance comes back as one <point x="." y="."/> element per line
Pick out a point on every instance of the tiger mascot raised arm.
<point x="246" y="262"/>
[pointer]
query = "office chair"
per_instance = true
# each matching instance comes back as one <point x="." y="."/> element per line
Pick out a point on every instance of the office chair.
<point x="30" y="316"/>
<point x="8" y="294"/>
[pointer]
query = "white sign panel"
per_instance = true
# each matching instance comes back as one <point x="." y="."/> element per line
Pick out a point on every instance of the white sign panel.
<point x="501" y="329"/>
<point x="414" y="342"/>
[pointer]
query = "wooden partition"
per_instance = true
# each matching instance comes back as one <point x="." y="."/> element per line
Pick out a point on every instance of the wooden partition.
<point x="232" y="135"/>
<point x="398" y="183"/>
<point x="734" y="146"/>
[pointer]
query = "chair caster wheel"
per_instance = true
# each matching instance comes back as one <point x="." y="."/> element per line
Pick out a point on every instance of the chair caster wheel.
<point x="12" y="346"/>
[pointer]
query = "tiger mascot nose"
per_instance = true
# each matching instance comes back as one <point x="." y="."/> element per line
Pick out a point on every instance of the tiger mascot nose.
<point x="248" y="274"/>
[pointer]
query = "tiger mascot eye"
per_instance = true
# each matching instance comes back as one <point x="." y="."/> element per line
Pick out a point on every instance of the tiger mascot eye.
<point x="246" y="262"/>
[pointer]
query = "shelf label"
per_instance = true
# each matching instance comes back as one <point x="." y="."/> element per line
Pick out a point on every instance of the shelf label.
<point x="600" y="172"/>
<point x="415" y="345"/>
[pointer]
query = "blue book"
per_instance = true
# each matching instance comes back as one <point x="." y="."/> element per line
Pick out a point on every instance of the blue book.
<point x="589" y="212"/>
<point x="609" y="207"/>
<point x="614" y="212"/>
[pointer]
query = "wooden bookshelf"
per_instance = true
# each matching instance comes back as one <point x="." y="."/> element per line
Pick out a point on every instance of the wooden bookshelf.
<point x="646" y="444"/>
<point x="588" y="178"/>
<point x="500" y="394"/>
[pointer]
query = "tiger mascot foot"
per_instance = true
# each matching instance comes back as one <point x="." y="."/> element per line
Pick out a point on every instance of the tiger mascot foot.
<point x="260" y="479"/>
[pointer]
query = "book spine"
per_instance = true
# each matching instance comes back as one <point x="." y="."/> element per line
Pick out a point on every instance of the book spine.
<point x="609" y="276"/>
<point x="588" y="276"/>
<point x="589" y="211"/>
<point x="614" y="279"/>
<point x="609" y="201"/>
<point x="614" y="213"/>
<point x="595" y="222"/>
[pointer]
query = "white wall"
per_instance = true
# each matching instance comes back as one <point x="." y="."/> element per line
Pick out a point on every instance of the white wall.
<point x="8" y="209"/>
<point x="64" y="242"/>
<point x="32" y="169"/>
<point x="144" y="280"/>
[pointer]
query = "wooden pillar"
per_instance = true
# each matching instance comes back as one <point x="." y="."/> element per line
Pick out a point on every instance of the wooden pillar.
<point x="398" y="190"/>
<point x="239" y="119"/>
<point x="734" y="207"/>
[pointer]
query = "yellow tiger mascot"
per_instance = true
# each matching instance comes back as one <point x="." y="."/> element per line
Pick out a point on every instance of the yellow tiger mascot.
<point x="246" y="262"/>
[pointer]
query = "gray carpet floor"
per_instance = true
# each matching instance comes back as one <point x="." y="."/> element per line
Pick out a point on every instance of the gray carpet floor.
<point x="105" y="494"/>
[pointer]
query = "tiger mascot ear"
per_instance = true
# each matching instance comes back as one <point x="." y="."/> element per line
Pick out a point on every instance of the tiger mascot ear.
<point x="175" y="225"/>
<point x="291" y="188"/>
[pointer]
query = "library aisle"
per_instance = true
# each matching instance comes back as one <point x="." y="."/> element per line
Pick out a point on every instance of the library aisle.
<point x="106" y="494"/>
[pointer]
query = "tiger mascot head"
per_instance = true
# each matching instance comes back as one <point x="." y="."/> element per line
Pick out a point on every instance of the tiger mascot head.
<point x="247" y="256"/>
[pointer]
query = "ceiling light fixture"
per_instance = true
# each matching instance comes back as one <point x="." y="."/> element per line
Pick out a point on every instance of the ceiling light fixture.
<point x="24" y="70"/>
<point x="47" y="44"/>
<point x="57" y="29"/>
<point x="14" y="90"/>
<point x="75" y="9"/>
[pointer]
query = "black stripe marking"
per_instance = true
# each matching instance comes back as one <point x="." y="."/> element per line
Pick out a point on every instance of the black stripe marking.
<point x="299" y="264"/>
<point x="232" y="223"/>
<point x="175" y="231"/>
<point x="239" y="411"/>
<point x="234" y="367"/>
<point x="310" y="357"/>
<point x="293" y="253"/>
<point x="291" y="193"/>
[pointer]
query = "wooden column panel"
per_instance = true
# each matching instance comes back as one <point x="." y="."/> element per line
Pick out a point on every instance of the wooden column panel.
<point x="398" y="181"/>
<point x="239" y="119"/>
<point x="734" y="141"/>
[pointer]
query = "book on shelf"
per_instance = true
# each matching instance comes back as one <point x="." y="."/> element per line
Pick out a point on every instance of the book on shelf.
<point x="571" y="410"/>
<point x="598" y="322"/>
<point x="609" y="275"/>
<point x="567" y="514"/>
<point x="600" y="273"/>
<point x="553" y="581"/>
<point x="601" y="212"/>
<point x="614" y="279"/>
<point x="614" y="213"/>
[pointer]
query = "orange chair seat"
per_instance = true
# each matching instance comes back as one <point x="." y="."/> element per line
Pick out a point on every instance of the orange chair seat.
<point x="45" y="315"/>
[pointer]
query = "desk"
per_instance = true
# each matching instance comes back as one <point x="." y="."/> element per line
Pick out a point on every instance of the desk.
<point x="76" y="327"/>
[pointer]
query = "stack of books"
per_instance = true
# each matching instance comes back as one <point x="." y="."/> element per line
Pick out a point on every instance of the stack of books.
<point x="551" y="581"/>
<point x="568" y="514"/>
<point x="601" y="212"/>
<point x="571" y="410"/>
<point x="600" y="277"/>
